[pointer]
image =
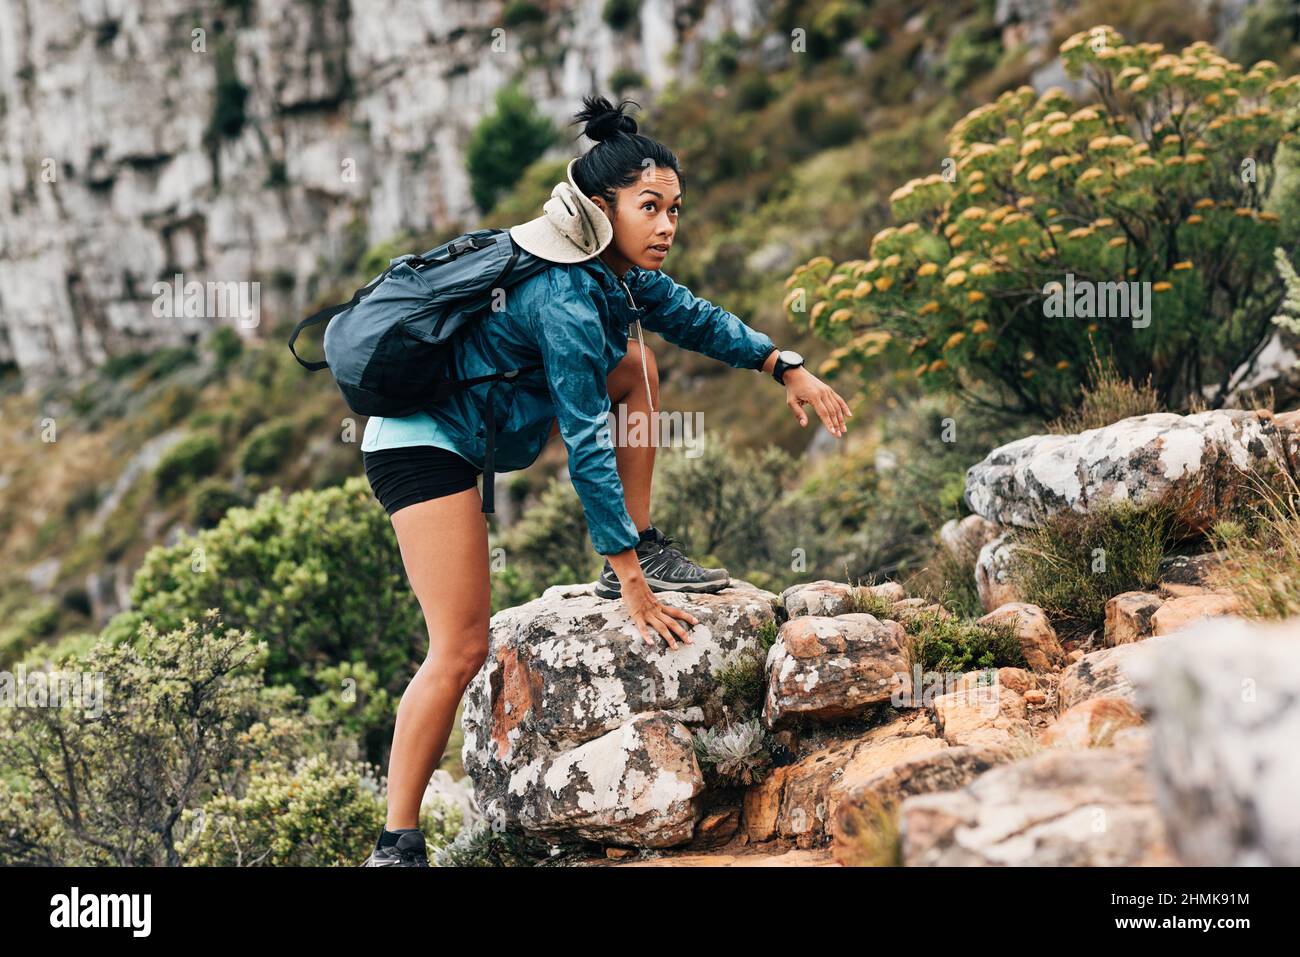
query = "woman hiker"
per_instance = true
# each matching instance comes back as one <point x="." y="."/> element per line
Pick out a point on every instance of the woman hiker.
<point x="610" y="229"/>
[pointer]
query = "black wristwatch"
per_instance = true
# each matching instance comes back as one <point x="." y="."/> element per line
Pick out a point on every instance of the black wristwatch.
<point x="785" y="359"/>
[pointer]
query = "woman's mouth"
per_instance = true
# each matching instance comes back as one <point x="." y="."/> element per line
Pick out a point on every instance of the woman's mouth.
<point x="660" y="250"/>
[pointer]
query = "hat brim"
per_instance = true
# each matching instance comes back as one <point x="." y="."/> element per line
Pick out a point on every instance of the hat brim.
<point x="540" y="238"/>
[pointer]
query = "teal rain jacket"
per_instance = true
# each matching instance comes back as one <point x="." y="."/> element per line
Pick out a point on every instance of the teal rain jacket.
<point x="573" y="319"/>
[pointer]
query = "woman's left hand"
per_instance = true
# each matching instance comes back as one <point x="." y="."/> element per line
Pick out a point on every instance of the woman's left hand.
<point x="803" y="388"/>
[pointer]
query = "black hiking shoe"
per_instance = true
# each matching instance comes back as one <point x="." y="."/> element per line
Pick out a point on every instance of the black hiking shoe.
<point x="407" y="852"/>
<point x="665" y="569"/>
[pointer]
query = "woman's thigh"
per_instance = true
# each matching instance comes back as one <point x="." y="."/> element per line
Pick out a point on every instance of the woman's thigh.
<point x="444" y="547"/>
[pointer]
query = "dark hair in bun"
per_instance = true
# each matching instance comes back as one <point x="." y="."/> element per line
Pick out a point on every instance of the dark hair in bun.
<point x="620" y="154"/>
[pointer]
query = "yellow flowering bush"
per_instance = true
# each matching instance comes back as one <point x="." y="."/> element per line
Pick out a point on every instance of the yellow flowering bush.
<point x="1165" y="179"/>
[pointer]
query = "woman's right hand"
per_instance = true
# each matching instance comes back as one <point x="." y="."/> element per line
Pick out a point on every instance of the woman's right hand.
<point x="646" y="610"/>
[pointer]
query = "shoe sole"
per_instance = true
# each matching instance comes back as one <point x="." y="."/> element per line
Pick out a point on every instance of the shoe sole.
<point x="694" y="588"/>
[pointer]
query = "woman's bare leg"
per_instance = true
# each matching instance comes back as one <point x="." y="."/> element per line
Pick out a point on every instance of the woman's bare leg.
<point x="445" y="550"/>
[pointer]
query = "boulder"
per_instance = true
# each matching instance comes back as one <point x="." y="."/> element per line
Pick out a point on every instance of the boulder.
<point x="1057" y="808"/>
<point x="1092" y="724"/>
<point x="1038" y="641"/>
<point x="1101" y="674"/>
<point x="828" y="668"/>
<point x="1183" y="575"/>
<point x="545" y="741"/>
<point x="1178" y="613"/>
<point x="966" y="537"/>
<point x="989" y="716"/>
<point x="1223" y="703"/>
<point x="1128" y="617"/>
<point x="829" y="598"/>
<point x="993" y="573"/>
<point x="799" y="800"/>
<point x="1198" y="464"/>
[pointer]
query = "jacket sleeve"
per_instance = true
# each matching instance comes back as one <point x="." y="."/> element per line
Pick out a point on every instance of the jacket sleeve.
<point x="686" y="320"/>
<point x="570" y="336"/>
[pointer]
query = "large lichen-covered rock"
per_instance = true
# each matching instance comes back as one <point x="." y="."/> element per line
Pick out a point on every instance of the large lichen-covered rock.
<point x="1198" y="464"/>
<point x="827" y="668"/>
<point x="1057" y="808"/>
<point x="556" y="738"/>
<point x="1223" y="703"/>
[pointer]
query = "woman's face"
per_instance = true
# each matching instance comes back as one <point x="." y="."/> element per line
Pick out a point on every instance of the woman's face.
<point x="644" y="220"/>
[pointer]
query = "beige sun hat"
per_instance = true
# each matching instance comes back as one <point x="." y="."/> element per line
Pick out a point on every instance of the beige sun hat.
<point x="572" y="229"/>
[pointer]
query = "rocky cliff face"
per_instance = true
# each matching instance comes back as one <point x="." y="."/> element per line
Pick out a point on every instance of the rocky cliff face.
<point x="261" y="140"/>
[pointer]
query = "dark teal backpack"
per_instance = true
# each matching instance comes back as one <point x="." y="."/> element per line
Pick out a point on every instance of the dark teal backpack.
<point x="387" y="347"/>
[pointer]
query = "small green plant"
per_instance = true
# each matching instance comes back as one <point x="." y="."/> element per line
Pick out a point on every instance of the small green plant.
<point x="193" y="457"/>
<point x="1073" y="563"/>
<point x="1261" y="552"/>
<point x="957" y="645"/>
<point x="742" y="681"/>
<point x="737" y="753"/>
<point x="1107" y="398"/>
<point x="767" y="635"/>
<point x="481" y="845"/>
<point x="504" y="144"/>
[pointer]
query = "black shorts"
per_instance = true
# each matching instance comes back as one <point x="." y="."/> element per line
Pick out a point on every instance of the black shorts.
<point x="417" y="473"/>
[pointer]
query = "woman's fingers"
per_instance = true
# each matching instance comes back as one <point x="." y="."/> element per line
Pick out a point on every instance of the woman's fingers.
<point x="681" y="613"/>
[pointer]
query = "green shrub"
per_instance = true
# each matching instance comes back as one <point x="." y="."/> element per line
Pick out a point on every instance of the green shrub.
<point x="1073" y="563"/>
<point x="193" y="457"/>
<point x="504" y="144"/>
<point x="1042" y="192"/>
<point x="621" y="14"/>
<point x="210" y="501"/>
<point x="267" y="447"/>
<point x="226" y="346"/>
<point x="312" y="813"/>
<point x="317" y="576"/>
<point x="518" y="13"/>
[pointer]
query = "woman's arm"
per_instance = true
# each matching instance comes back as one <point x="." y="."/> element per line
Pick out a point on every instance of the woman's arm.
<point x="686" y="320"/>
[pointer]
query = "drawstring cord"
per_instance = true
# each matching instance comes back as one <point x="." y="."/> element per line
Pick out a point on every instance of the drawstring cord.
<point x="645" y="372"/>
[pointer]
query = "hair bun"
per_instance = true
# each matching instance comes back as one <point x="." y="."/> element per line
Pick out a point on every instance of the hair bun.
<point x="604" y="120"/>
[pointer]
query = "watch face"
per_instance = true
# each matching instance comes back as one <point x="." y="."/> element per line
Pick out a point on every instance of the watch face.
<point x="790" y="357"/>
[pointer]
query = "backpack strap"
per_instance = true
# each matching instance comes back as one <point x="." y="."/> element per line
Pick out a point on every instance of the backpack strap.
<point x="329" y="312"/>
<point x="446" y="387"/>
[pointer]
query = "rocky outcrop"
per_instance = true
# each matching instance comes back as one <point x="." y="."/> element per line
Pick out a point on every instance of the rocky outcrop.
<point x="1196" y="464"/>
<point x="1057" y="808"/>
<point x="1223" y="701"/>
<point x="1178" y="613"/>
<point x="576" y="727"/>
<point x="265" y="147"/>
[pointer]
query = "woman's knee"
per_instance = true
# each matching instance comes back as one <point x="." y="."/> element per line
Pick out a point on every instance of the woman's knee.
<point x="459" y="653"/>
<point x="633" y="358"/>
